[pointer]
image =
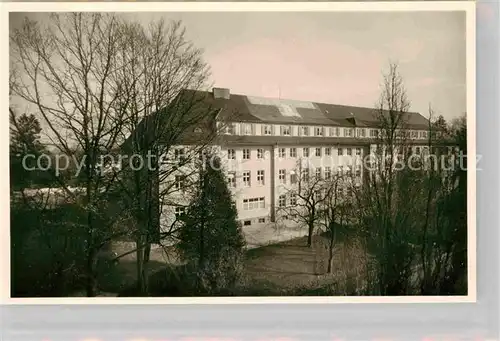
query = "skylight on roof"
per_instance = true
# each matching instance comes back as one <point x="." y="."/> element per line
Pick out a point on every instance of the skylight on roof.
<point x="288" y="110"/>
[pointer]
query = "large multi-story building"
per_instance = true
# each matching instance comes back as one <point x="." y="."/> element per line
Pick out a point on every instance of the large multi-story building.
<point x="262" y="142"/>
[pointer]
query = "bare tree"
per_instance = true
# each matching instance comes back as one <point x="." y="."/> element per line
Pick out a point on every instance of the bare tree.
<point x="66" y="70"/>
<point x="445" y="212"/>
<point x="167" y="121"/>
<point x="338" y="210"/>
<point x="306" y="196"/>
<point x="385" y="210"/>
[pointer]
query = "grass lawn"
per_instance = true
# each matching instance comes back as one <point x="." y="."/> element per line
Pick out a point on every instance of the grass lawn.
<point x="277" y="269"/>
<point x="293" y="267"/>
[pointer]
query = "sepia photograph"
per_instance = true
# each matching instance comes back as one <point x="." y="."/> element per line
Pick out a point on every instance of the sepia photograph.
<point x="195" y="154"/>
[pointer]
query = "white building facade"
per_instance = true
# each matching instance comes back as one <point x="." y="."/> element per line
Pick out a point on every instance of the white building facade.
<point x="262" y="141"/>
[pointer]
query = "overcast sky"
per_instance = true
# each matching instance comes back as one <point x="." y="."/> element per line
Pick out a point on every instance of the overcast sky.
<point x="333" y="57"/>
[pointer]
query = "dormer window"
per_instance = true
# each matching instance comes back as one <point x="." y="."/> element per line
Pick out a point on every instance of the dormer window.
<point x="348" y="132"/>
<point x="285" y="130"/>
<point x="229" y="129"/>
<point x="247" y="129"/>
<point x="304" y="131"/>
<point x="267" y="130"/>
<point x="318" y="131"/>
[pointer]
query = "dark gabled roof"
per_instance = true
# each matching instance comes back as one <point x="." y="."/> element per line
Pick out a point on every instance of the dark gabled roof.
<point x="242" y="108"/>
<point x="205" y="110"/>
<point x="189" y="118"/>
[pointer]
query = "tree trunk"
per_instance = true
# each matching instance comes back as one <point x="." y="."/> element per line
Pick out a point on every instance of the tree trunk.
<point x="147" y="252"/>
<point x="310" y="234"/>
<point x="91" y="280"/>
<point x="332" y="243"/>
<point x="141" y="268"/>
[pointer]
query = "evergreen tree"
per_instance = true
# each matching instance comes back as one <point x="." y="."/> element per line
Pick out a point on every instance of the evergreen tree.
<point x="25" y="148"/>
<point x="211" y="239"/>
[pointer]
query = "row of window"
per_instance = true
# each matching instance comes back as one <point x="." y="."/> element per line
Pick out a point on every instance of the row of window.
<point x="291" y="199"/>
<point x="179" y="153"/>
<point x="254" y="203"/>
<point x="321" y="173"/>
<point x="292" y="152"/>
<point x="259" y="203"/>
<point x="318" y="131"/>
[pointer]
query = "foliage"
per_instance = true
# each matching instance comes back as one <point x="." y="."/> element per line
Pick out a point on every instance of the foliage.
<point x="25" y="148"/>
<point x="47" y="250"/>
<point x="210" y="237"/>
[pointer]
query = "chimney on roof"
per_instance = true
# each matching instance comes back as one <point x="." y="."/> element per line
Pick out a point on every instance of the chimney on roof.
<point x="221" y="93"/>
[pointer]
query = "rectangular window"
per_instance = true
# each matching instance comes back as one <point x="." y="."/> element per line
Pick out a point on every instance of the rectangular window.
<point x="230" y="129"/>
<point x="282" y="152"/>
<point x="246" y="154"/>
<point x="247" y="223"/>
<point x="349" y="151"/>
<point x="347" y="132"/>
<point x="305" y="174"/>
<point x="293" y="178"/>
<point x="246" y="178"/>
<point x="246" y="128"/>
<point x="304" y="131"/>
<point x="417" y="150"/>
<point x="331" y="131"/>
<point x="253" y="204"/>
<point x="293" y="152"/>
<point x="282" y="201"/>
<point x="268" y="130"/>
<point x="358" y="151"/>
<point x="260" y="153"/>
<point x="340" y="152"/>
<point x="282" y="176"/>
<point x="337" y="131"/>
<point x="358" y="171"/>
<point x="305" y="152"/>
<point x="361" y="132"/>
<point x="201" y="155"/>
<point x="179" y="154"/>
<point x="373" y="133"/>
<point x="318" y="173"/>
<point x="414" y="134"/>
<point x="317" y="195"/>
<point x="231" y="154"/>
<point x="179" y="212"/>
<point x="179" y="182"/>
<point x="328" y="173"/>
<point x="260" y="177"/>
<point x="262" y="220"/>
<point x="318" y="131"/>
<point x="285" y="130"/>
<point x="231" y="178"/>
<point x="328" y="151"/>
<point x="293" y="199"/>
<point x="317" y="152"/>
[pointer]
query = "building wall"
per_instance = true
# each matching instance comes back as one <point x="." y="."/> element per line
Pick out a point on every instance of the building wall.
<point x="255" y="190"/>
<point x="273" y="161"/>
